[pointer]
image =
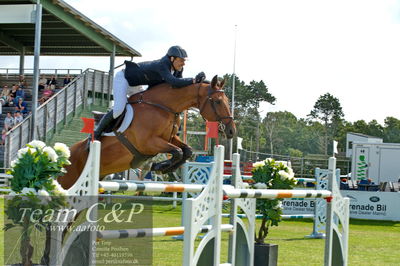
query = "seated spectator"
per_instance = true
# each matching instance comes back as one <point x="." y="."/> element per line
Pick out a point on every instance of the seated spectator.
<point x="47" y="93"/>
<point x="42" y="82"/>
<point x="67" y="80"/>
<point x="22" y="82"/>
<point x="3" y="136"/>
<point x="52" y="83"/>
<point x="5" y="94"/>
<point x="22" y="106"/>
<point x="13" y="94"/>
<point x="17" y="118"/>
<point x="8" y="122"/>
<point x="19" y="93"/>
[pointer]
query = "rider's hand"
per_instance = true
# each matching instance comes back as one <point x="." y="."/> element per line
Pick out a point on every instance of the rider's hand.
<point x="200" y="77"/>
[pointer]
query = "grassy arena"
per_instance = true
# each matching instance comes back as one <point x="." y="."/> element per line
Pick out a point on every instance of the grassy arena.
<point x="371" y="242"/>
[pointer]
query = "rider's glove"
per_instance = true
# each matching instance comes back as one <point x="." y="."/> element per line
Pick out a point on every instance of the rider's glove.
<point x="200" y="77"/>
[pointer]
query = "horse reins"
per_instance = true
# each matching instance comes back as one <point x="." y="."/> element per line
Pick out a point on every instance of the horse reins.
<point x="200" y="106"/>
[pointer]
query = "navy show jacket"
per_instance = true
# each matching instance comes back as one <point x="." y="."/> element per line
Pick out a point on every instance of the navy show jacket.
<point x="153" y="73"/>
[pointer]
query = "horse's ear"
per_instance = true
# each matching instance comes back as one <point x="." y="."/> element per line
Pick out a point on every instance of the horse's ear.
<point x="214" y="82"/>
<point x="221" y="85"/>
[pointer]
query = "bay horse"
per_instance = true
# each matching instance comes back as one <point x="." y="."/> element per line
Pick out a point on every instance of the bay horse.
<point x="154" y="128"/>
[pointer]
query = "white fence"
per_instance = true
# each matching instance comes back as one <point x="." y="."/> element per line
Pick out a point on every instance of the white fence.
<point x="57" y="110"/>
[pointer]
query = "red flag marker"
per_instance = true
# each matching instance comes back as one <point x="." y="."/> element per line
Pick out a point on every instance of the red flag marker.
<point x="88" y="126"/>
<point x="212" y="130"/>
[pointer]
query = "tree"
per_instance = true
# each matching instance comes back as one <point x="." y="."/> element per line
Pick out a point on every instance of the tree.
<point x="328" y="110"/>
<point x="392" y="130"/>
<point x="279" y="131"/>
<point x="247" y="97"/>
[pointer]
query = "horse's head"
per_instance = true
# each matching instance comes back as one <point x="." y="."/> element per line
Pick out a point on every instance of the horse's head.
<point x="214" y="106"/>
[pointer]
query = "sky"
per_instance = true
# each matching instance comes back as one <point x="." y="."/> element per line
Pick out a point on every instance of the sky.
<point x="300" y="49"/>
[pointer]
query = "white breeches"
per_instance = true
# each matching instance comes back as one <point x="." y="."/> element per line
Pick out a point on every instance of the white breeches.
<point x="121" y="90"/>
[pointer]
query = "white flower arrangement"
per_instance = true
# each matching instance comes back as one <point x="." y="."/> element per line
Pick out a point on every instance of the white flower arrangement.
<point x="260" y="186"/>
<point x="28" y="191"/>
<point x="34" y="187"/>
<point x="285" y="163"/>
<point x="61" y="147"/>
<point x="37" y="144"/>
<point x="258" y="164"/>
<point x="271" y="174"/>
<point x="58" y="190"/>
<point x="51" y="153"/>
<point x="36" y="168"/>
<point x="22" y="152"/>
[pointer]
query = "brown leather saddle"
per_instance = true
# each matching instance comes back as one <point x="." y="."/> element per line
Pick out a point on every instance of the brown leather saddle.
<point x="113" y="127"/>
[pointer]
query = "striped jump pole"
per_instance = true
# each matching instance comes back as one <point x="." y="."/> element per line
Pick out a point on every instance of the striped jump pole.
<point x="141" y="198"/>
<point x="149" y="187"/>
<point x="153" y="232"/>
<point x="276" y="193"/>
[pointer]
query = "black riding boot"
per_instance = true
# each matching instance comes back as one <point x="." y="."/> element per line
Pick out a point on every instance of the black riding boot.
<point x="103" y="124"/>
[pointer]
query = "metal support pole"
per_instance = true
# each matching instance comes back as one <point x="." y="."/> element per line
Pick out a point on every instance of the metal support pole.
<point x="111" y="75"/>
<point x="233" y="95"/>
<point x="38" y="31"/>
<point x="22" y="61"/>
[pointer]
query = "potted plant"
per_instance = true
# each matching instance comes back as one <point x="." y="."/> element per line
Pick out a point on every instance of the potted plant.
<point x="269" y="174"/>
<point x="35" y="192"/>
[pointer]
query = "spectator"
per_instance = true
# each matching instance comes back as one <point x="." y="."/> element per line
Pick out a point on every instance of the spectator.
<point x="13" y="94"/>
<point x="47" y="93"/>
<point x="22" y="82"/>
<point x="22" y="106"/>
<point x="42" y="82"/>
<point x="3" y="136"/>
<point x="8" y="122"/>
<point x="5" y="94"/>
<point x="19" y="93"/>
<point x="17" y="118"/>
<point x="67" y="80"/>
<point x="52" y="83"/>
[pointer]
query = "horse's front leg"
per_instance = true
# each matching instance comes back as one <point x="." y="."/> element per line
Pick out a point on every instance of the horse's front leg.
<point x="165" y="147"/>
<point x="187" y="153"/>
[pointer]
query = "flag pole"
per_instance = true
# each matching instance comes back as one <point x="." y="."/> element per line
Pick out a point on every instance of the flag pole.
<point x="233" y="93"/>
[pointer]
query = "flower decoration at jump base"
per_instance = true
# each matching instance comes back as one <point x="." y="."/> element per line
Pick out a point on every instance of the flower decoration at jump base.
<point x="36" y="194"/>
<point x="37" y="167"/>
<point x="271" y="174"/>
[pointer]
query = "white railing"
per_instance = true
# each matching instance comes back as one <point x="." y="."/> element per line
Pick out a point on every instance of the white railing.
<point x="6" y="72"/>
<point x="56" y="111"/>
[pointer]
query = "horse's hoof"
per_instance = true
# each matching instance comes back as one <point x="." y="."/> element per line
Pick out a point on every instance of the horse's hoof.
<point x="161" y="166"/>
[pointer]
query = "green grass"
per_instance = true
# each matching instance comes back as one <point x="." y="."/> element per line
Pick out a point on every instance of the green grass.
<point x="371" y="242"/>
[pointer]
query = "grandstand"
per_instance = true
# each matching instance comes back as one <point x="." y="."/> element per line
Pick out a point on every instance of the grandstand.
<point x="63" y="31"/>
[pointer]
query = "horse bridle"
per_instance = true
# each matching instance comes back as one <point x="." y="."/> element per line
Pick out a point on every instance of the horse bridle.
<point x="209" y="99"/>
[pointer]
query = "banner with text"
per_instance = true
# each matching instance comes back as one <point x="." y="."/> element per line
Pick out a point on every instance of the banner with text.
<point x="363" y="205"/>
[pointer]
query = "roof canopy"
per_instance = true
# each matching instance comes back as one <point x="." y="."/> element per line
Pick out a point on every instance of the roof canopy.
<point x="65" y="31"/>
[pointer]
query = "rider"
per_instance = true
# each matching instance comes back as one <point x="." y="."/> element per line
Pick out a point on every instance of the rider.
<point x="167" y="69"/>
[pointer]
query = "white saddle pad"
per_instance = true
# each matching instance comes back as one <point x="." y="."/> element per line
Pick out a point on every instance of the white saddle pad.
<point x="125" y="124"/>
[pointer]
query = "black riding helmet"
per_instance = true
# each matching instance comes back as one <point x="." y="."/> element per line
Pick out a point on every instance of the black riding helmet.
<point x="177" y="51"/>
